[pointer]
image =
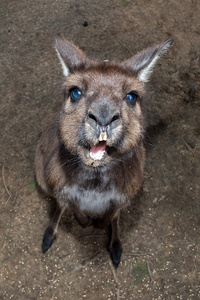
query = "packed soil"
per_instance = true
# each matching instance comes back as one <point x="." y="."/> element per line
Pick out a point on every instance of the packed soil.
<point x="160" y="231"/>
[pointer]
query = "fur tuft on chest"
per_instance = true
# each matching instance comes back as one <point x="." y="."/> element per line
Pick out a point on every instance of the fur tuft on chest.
<point x="93" y="201"/>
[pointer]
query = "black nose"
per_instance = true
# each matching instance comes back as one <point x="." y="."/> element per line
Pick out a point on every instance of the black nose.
<point x="103" y="119"/>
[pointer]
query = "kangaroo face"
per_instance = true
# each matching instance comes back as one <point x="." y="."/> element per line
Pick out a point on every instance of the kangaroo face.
<point x="101" y="114"/>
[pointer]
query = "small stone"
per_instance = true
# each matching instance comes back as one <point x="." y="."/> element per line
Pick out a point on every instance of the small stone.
<point x="85" y="23"/>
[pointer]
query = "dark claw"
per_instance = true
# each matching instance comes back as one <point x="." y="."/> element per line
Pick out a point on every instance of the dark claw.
<point x="115" y="253"/>
<point x="48" y="239"/>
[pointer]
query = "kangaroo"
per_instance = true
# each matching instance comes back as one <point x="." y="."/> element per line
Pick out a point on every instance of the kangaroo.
<point x="91" y="156"/>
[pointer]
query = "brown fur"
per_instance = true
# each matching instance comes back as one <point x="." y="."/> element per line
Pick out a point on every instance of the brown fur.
<point x="95" y="190"/>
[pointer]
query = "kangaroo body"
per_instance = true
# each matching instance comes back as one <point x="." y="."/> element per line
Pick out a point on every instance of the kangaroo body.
<point x="91" y="156"/>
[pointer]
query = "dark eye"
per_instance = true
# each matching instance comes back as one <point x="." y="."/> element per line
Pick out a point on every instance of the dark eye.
<point x="131" y="97"/>
<point x="75" y="94"/>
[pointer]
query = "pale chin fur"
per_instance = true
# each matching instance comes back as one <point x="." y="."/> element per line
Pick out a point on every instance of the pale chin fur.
<point x="97" y="156"/>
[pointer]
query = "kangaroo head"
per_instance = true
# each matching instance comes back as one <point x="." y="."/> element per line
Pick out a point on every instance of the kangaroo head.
<point x="101" y="117"/>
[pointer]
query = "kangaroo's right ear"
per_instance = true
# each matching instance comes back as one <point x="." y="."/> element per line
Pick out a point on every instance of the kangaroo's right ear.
<point x="69" y="55"/>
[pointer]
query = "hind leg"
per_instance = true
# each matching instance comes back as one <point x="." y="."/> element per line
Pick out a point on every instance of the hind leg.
<point x="50" y="232"/>
<point x="81" y="217"/>
<point x="115" y="244"/>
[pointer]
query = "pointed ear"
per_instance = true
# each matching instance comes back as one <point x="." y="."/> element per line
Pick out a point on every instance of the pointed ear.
<point x="69" y="55"/>
<point x="142" y="64"/>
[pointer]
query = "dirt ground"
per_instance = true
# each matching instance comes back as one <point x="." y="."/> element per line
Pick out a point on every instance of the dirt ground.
<point x="161" y="230"/>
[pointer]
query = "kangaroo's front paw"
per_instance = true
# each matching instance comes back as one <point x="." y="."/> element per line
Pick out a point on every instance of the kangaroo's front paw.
<point x="48" y="239"/>
<point x="116" y="252"/>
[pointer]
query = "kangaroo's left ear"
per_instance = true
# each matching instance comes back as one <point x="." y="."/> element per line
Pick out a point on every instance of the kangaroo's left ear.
<point x="142" y="64"/>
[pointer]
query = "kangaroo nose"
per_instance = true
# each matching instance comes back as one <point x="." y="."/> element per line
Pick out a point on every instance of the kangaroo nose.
<point x="103" y="119"/>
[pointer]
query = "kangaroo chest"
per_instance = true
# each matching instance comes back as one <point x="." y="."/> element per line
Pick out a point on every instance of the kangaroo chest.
<point x="93" y="200"/>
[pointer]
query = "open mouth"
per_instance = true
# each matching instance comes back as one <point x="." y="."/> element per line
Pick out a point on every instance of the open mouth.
<point x="98" y="151"/>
